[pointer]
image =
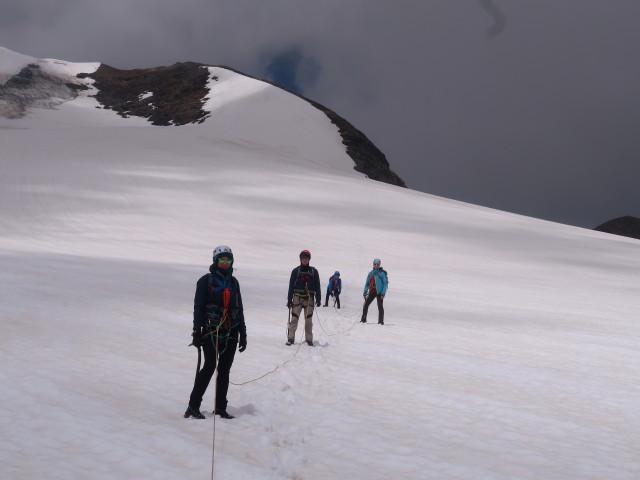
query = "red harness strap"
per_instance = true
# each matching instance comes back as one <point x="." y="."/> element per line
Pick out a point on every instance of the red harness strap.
<point x="226" y="297"/>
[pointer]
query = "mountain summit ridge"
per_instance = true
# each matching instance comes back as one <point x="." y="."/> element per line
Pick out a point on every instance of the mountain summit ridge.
<point x="173" y="95"/>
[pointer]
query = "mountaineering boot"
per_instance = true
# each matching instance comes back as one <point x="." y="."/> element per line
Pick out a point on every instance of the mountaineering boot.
<point x="223" y="414"/>
<point x="310" y="343"/>
<point x="193" y="412"/>
<point x="290" y="342"/>
<point x="363" y="320"/>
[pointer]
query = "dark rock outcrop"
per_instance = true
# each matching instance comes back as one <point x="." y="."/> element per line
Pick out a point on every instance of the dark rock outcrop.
<point x="367" y="157"/>
<point x="164" y="95"/>
<point x="625" y="226"/>
<point x="175" y="95"/>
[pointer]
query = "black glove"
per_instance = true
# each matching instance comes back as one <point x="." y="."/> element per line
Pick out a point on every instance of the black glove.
<point x="197" y="337"/>
<point x="331" y="294"/>
<point x="242" y="345"/>
<point x="289" y="304"/>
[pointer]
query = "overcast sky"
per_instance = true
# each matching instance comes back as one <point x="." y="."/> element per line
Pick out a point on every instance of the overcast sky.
<point x="528" y="106"/>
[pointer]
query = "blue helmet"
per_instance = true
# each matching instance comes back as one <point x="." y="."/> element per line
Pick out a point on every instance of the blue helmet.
<point x="337" y="273"/>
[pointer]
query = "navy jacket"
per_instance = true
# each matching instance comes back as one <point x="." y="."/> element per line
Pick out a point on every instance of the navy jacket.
<point x="303" y="279"/>
<point x="209" y="298"/>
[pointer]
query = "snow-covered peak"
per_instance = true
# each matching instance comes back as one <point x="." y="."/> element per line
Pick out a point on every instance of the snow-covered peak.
<point x="28" y="83"/>
<point x="11" y="63"/>
<point x="232" y="106"/>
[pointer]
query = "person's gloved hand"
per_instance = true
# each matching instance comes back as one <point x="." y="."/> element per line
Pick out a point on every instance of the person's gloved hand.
<point x="197" y="337"/>
<point x="289" y="304"/>
<point x="331" y="293"/>
<point x="242" y="344"/>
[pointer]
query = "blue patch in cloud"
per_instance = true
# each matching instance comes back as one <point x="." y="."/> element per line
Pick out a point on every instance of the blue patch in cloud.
<point x="292" y="70"/>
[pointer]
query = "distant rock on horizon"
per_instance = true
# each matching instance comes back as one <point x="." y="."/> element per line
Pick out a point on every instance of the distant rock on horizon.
<point x="627" y="226"/>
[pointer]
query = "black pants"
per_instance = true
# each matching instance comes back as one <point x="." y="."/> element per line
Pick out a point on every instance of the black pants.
<point x="368" y="302"/>
<point x="228" y="349"/>
<point x="337" y="297"/>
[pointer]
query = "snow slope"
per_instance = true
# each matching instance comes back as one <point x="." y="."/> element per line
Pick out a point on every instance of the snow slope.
<point x="511" y="344"/>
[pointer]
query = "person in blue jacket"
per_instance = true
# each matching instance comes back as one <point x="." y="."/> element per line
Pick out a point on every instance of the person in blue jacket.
<point x="334" y="289"/>
<point x="218" y="327"/>
<point x="375" y="287"/>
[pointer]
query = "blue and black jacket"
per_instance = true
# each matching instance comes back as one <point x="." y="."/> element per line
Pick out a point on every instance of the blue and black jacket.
<point x="208" y="304"/>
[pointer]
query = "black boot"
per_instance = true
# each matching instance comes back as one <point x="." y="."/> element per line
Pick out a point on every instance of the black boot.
<point x="193" y="412"/>
<point x="223" y="414"/>
<point x="290" y="342"/>
<point x="363" y="320"/>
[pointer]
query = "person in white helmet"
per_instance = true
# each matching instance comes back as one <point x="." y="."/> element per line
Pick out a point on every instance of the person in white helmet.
<point x="375" y="286"/>
<point x="219" y="328"/>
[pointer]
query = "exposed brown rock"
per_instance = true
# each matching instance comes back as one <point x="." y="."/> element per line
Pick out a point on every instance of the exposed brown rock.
<point x="177" y="92"/>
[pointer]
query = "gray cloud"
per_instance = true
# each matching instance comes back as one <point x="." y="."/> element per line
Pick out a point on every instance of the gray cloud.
<point x="537" y="118"/>
<point x="500" y="20"/>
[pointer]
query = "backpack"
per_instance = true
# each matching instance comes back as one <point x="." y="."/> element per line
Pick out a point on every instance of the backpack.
<point x="386" y="274"/>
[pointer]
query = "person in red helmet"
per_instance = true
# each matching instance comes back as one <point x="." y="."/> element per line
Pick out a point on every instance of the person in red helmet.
<point x="304" y="289"/>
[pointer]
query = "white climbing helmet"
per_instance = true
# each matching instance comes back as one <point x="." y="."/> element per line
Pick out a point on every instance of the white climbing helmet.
<point x="222" y="250"/>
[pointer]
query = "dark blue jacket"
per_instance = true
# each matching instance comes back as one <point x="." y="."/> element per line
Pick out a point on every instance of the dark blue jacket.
<point x="304" y="279"/>
<point x="208" y="301"/>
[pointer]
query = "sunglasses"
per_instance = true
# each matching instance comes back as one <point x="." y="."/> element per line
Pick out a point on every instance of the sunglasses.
<point x="225" y="260"/>
<point x="377" y="264"/>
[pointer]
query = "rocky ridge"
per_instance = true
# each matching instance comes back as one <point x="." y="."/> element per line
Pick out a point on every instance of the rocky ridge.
<point x="175" y="95"/>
